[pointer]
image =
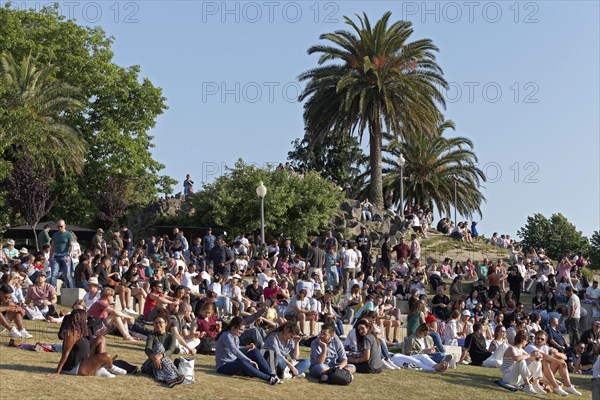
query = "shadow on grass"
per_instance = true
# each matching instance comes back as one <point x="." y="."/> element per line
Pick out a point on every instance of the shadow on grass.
<point x="28" y="368"/>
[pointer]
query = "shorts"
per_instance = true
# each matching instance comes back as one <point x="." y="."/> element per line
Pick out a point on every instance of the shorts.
<point x="73" y="371"/>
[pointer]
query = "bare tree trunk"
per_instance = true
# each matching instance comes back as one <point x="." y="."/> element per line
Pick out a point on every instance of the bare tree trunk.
<point x="37" y="245"/>
<point x="375" y="159"/>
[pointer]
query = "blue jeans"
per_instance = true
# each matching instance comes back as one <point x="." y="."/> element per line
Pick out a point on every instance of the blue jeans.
<point x="437" y="357"/>
<point x="302" y="365"/>
<point x="437" y="340"/>
<point x="333" y="279"/>
<point x="238" y="366"/>
<point x="224" y="303"/>
<point x="59" y="264"/>
<point x="82" y="285"/>
<point x="385" y="353"/>
<point x="339" y="326"/>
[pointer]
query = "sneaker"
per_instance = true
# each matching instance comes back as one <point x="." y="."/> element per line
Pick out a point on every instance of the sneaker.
<point x="14" y="333"/>
<point x="464" y="362"/>
<point x="177" y="381"/>
<point x="529" y="389"/>
<point x="571" y="389"/>
<point x="538" y="388"/>
<point x="558" y="390"/>
<point x="302" y="375"/>
<point x="386" y="365"/>
<point x="274" y="380"/>
<point x="104" y="373"/>
<point x="449" y="358"/>
<point x="117" y="371"/>
<point x="343" y="337"/>
<point x="25" y="334"/>
<point x="132" y="311"/>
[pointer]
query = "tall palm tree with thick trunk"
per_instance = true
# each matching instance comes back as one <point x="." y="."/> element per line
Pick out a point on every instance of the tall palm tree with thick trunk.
<point x="378" y="80"/>
<point x="43" y="101"/>
<point x="434" y="165"/>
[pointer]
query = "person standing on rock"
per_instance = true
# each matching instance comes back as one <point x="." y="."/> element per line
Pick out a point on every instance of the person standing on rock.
<point x="415" y="247"/>
<point x="364" y="246"/>
<point x="188" y="186"/>
<point x="386" y="255"/>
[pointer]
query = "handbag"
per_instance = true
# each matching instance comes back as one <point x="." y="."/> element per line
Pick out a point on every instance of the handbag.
<point x="337" y="376"/>
<point x="185" y="367"/>
<point x="34" y="313"/>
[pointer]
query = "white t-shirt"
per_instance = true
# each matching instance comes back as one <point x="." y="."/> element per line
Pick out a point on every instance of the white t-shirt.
<point x="593" y="293"/>
<point x="354" y="282"/>
<point x="530" y="348"/>
<point x="187" y="279"/>
<point x="295" y="302"/>
<point x="263" y="279"/>
<point x="350" y="259"/>
<point x="90" y="301"/>
<point x="573" y="304"/>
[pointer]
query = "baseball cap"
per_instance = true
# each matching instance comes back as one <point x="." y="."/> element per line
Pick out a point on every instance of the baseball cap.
<point x="466" y="312"/>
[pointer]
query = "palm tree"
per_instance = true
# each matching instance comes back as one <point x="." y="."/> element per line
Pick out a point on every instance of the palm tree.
<point x="382" y="80"/>
<point x="45" y="101"/>
<point x="433" y="165"/>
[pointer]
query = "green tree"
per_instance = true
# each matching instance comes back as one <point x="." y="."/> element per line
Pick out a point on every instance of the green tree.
<point x="165" y="185"/>
<point x="556" y="235"/>
<point x="337" y="158"/>
<point x="120" y="106"/>
<point x="433" y="165"/>
<point x="595" y="250"/>
<point x="381" y="80"/>
<point x="295" y="206"/>
<point x="45" y="102"/>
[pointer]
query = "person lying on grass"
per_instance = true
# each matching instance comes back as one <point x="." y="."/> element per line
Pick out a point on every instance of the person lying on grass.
<point x="80" y="355"/>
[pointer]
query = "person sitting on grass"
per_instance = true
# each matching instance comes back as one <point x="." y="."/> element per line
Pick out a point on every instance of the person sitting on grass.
<point x="231" y="359"/>
<point x="368" y="360"/>
<point x="497" y="348"/>
<point x="476" y="346"/>
<point x="106" y="317"/>
<point x="80" y="356"/>
<point x="515" y="368"/>
<point x="156" y="300"/>
<point x="422" y="343"/>
<point x="187" y="341"/>
<point x="10" y="311"/>
<point x="284" y="341"/>
<point x="160" y="345"/>
<point x="552" y="361"/>
<point x="43" y="296"/>
<point x="328" y="352"/>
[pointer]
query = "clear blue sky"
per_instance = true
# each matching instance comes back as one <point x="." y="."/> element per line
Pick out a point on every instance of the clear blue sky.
<point x="524" y="87"/>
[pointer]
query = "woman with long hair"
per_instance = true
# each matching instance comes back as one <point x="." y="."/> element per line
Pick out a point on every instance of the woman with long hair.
<point x="231" y="359"/>
<point x="160" y="345"/>
<point x="368" y="360"/>
<point x="416" y="317"/>
<point x="285" y="342"/>
<point x="79" y="355"/>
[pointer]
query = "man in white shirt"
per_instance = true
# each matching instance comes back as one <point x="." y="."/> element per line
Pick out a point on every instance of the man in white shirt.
<point x="349" y="263"/>
<point x="188" y="274"/>
<point x="264" y="277"/>
<point x="573" y="315"/>
<point x="299" y="310"/>
<point x="552" y="361"/>
<point x="592" y="296"/>
<point x="356" y="281"/>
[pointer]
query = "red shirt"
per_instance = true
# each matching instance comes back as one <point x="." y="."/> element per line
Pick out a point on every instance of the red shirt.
<point x="402" y="251"/>
<point x="210" y="326"/>
<point x="151" y="303"/>
<point x="98" y="309"/>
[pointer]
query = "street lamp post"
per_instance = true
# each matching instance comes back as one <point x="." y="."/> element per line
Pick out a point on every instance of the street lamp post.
<point x="401" y="162"/>
<point x="261" y="191"/>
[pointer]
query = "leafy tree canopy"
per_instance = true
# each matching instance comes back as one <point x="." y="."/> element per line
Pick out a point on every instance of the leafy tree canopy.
<point x="295" y="205"/>
<point x="556" y="235"/>
<point x="119" y="107"/>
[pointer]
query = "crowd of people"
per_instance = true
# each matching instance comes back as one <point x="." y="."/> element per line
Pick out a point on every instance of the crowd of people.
<point x="195" y="297"/>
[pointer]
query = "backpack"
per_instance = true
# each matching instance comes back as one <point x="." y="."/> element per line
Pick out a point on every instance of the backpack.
<point x="337" y="376"/>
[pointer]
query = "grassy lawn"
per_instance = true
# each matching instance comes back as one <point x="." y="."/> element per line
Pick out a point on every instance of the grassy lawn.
<point x="23" y="375"/>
